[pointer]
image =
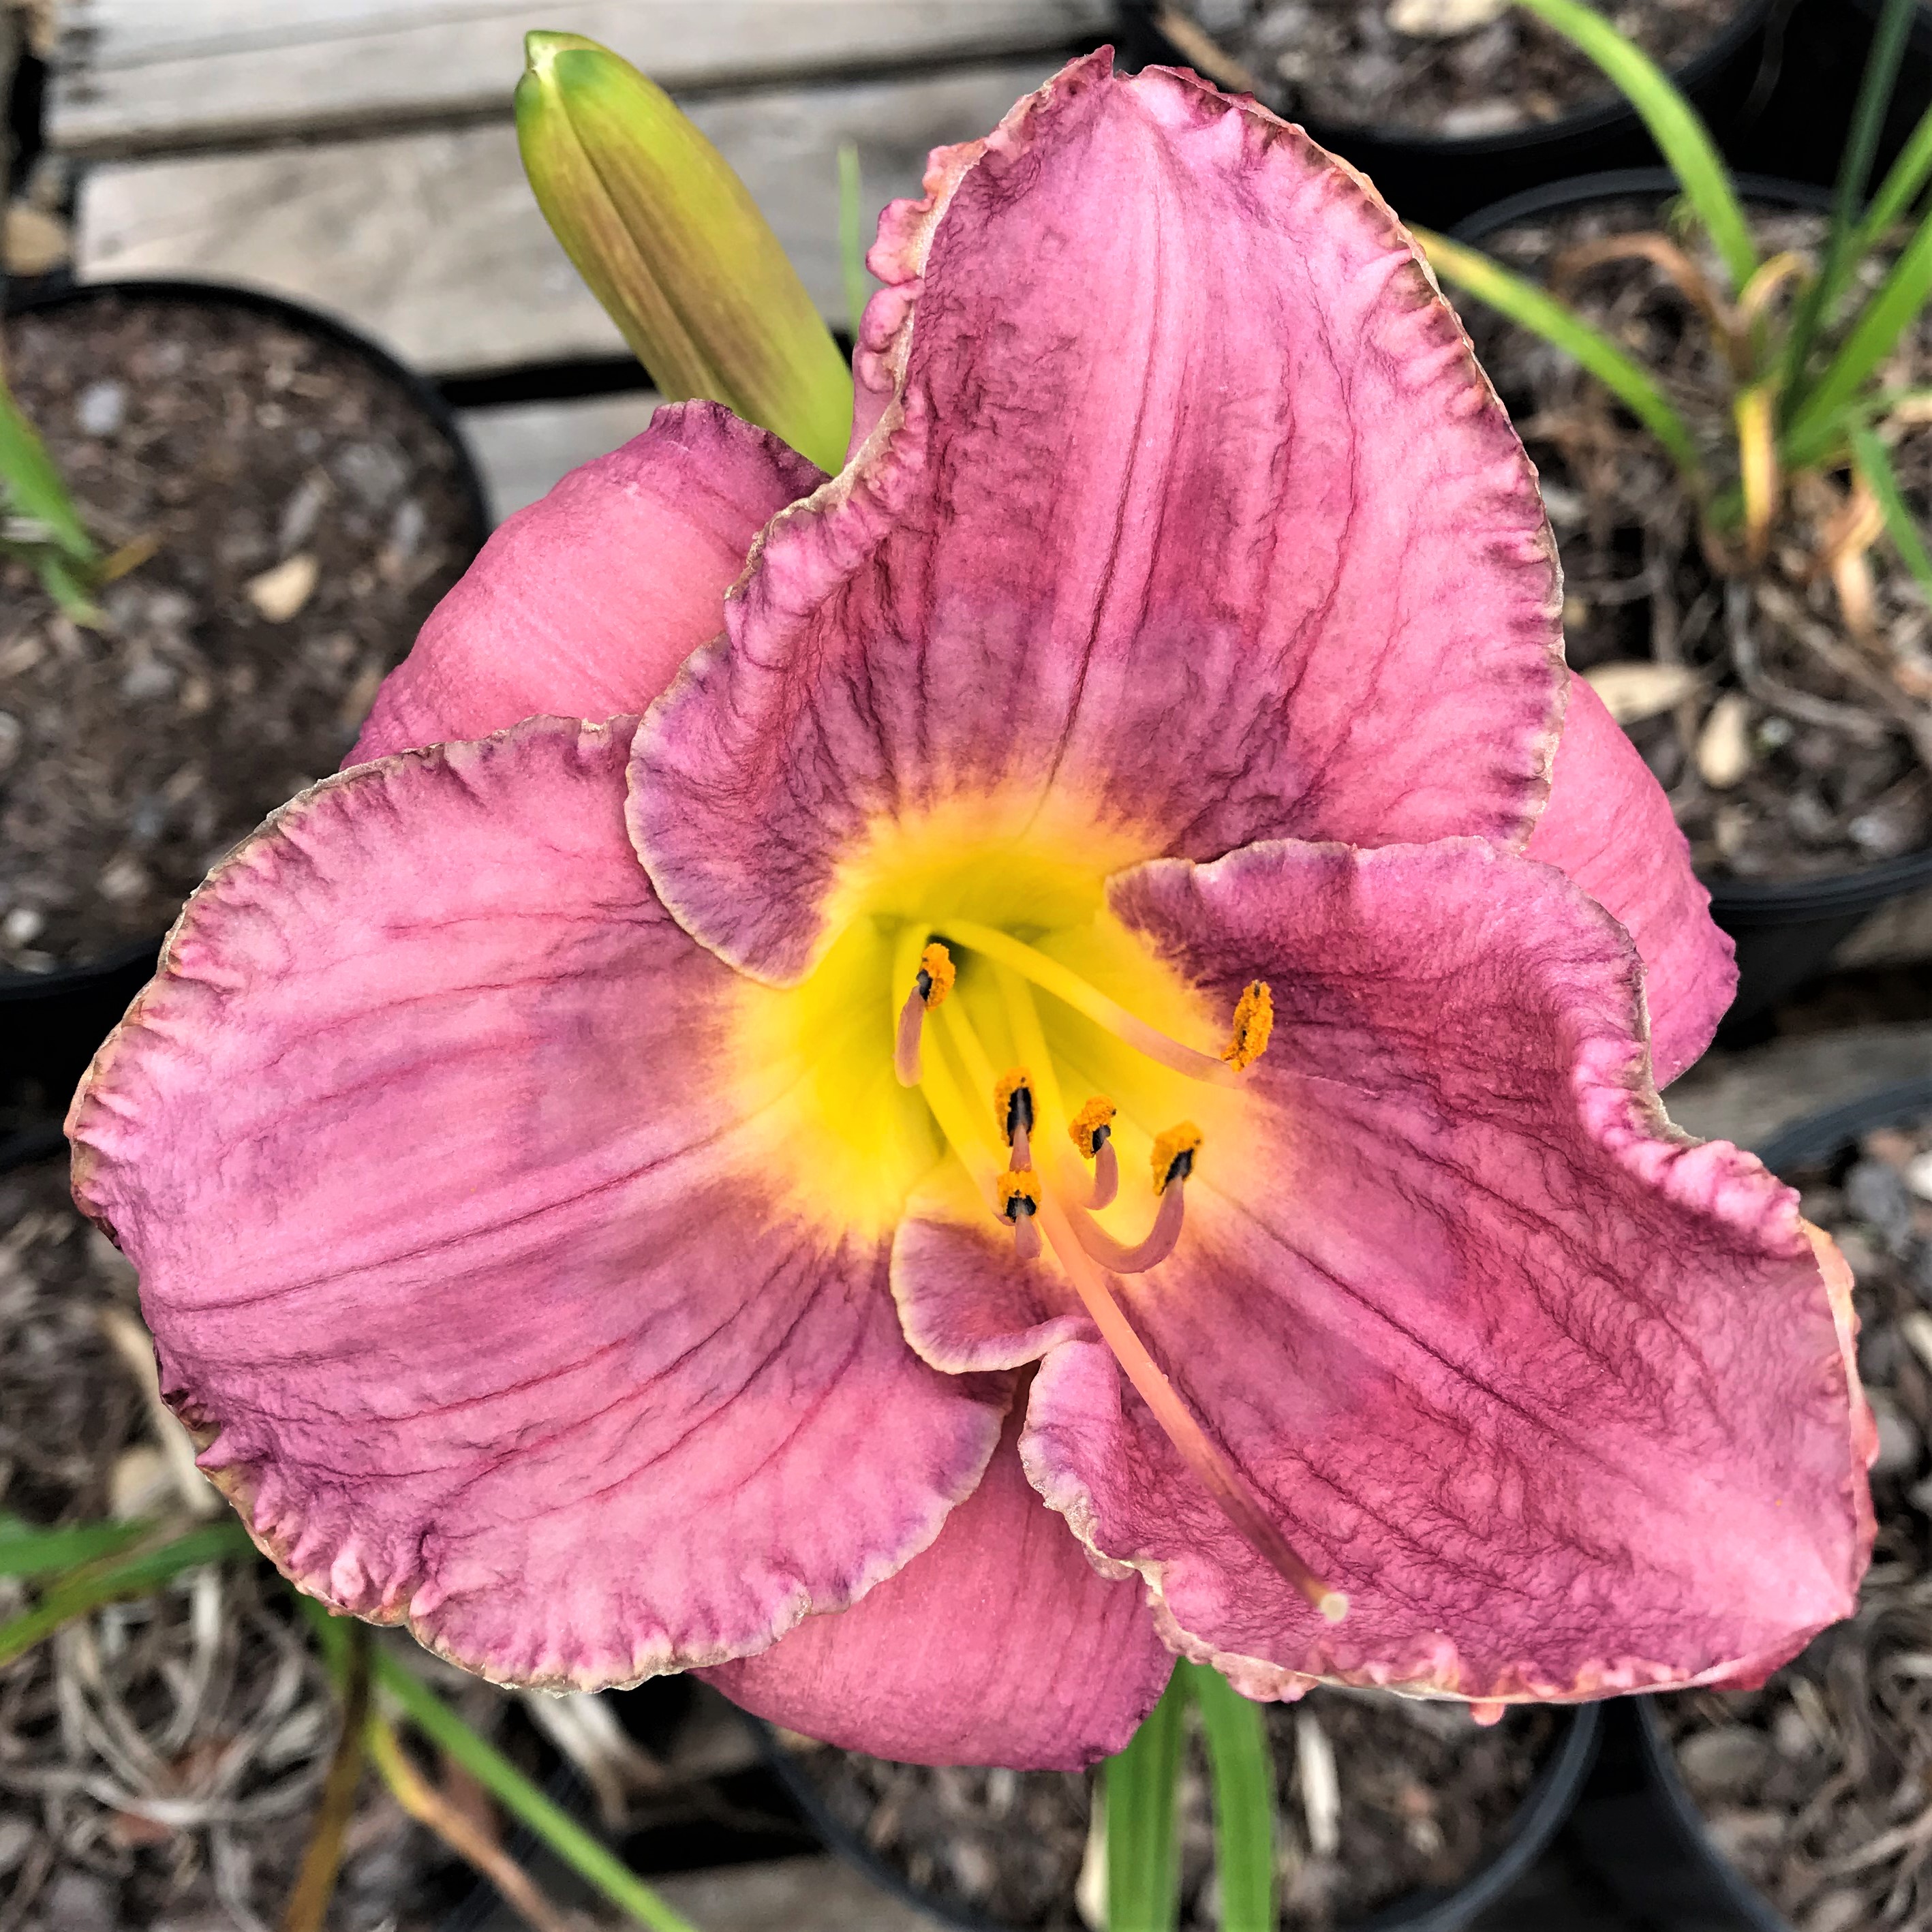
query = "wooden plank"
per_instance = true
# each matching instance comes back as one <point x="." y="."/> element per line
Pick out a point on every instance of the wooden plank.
<point x="138" y="77"/>
<point x="522" y="448"/>
<point x="432" y="242"/>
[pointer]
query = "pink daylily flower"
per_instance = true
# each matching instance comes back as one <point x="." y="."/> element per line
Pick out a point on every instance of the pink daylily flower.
<point x="567" y="1197"/>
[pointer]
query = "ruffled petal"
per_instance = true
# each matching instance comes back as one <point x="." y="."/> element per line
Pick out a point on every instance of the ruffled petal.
<point x="1000" y="1644"/>
<point x="1562" y="1399"/>
<point x="1608" y="825"/>
<point x="1191" y="514"/>
<point x="462" y="1248"/>
<point x="584" y="604"/>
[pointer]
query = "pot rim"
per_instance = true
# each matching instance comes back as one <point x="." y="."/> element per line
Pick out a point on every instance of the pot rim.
<point x="1552" y="1794"/>
<point x="1748" y="18"/>
<point x="85" y="974"/>
<point x="1811" y="1138"/>
<point x="1743" y="902"/>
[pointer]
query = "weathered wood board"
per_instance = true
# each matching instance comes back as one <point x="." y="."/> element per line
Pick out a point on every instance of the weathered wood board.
<point x="137" y="76"/>
<point x="432" y="243"/>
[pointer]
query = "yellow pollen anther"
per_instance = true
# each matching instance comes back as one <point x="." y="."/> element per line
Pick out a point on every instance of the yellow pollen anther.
<point x="937" y="973"/>
<point x="1090" y="1126"/>
<point x="1174" y="1153"/>
<point x="1018" y="1192"/>
<point x="1254" y="1020"/>
<point x="1012" y="1102"/>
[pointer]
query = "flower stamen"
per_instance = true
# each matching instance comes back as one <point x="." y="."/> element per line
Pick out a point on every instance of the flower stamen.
<point x="1254" y="1020"/>
<point x="931" y="985"/>
<point x="1018" y="1193"/>
<point x="1173" y="1152"/>
<point x="1013" y="1112"/>
<point x="1092" y="1132"/>
<point x="1066" y="986"/>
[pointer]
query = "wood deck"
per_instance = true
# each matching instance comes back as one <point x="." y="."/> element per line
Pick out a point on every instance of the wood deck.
<point x="358" y="155"/>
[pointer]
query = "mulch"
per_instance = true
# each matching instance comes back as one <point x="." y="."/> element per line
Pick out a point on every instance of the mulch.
<point x="1450" y="69"/>
<point x="305" y="515"/>
<point x="1422" y="1792"/>
<point x="1818" y="1787"/>
<point x="1833" y="723"/>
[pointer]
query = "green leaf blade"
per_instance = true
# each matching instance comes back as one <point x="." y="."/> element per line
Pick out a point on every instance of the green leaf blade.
<point x="1675" y="125"/>
<point x="28" y="1551"/>
<point x="1900" y="300"/>
<point x="591" y="1860"/>
<point x="1143" y="1850"/>
<point x="1874" y="465"/>
<point x="1531" y="308"/>
<point x="1242" y="1767"/>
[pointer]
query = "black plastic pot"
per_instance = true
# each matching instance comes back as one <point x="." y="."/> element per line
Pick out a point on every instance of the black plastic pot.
<point x="1785" y="933"/>
<point x="50" y="1023"/>
<point x="1437" y="181"/>
<point x="1538" y="1819"/>
<point x="1814" y="61"/>
<point x="1805" y="1143"/>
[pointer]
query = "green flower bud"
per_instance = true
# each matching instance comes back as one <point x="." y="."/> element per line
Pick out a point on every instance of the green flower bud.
<point x="674" y="248"/>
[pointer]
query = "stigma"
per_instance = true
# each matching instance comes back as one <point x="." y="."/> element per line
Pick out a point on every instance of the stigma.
<point x="931" y="984"/>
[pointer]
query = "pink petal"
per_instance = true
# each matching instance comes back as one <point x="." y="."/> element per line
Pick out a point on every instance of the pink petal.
<point x="1608" y="825"/>
<point x="1000" y="1644"/>
<point x="585" y="604"/>
<point x="1192" y="515"/>
<point x="455" y="1232"/>
<point x="1561" y="1399"/>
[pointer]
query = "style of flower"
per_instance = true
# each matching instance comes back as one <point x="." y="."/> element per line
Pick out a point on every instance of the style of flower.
<point x="1079" y="1087"/>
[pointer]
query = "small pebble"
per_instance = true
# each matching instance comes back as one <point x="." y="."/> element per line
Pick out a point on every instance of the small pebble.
<point x="1918" y="1174"/>
<point x="1725" y="1760"/>
<point x="279" y="593"/>
<point x="11" y="733"/>
<point x="101" y="408"/>
<point x="148" y="678"/>
<point x="23" y="926"/>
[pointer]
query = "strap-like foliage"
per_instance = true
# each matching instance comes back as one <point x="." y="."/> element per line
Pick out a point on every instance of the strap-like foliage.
<point x="1138" y="1789"/>
<point x="1538" y="310"/>
<point x="1243" y="1769"/>
<point x="1675" y="125"/>
<point x="1874" y="465"/>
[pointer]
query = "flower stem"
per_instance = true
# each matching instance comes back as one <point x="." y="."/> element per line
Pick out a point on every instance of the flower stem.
<point x="307" y="1908"/>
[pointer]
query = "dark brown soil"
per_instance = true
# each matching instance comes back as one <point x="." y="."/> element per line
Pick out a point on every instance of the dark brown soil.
<point x="160" y="1761"/>
<point x="1351" y="64"/>
<point x="133" y="757"/>
<point x="1818" y="1787"/>
<point x="1836" y="726"/>
<point x="1423" y="1792"/>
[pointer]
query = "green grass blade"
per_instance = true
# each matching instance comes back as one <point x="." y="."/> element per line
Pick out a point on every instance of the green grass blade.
<point x="591" y="1860"/>
<point x="1896" y="194"/>
<point x="1536" y="310"/>
<point x="1874" y="463"/>
<point x="1680" y="136"/>
<point x="1899" y="302"/>
<point x="27" y="1551"/>
<point x="1243" y="1769"/>
<point x="31" y="486"/>
<point x="1887" y="49"/>
<point x="1143" y="1851"/>
<point x="133" y="1576"/>
<point x="852" y="235"/>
